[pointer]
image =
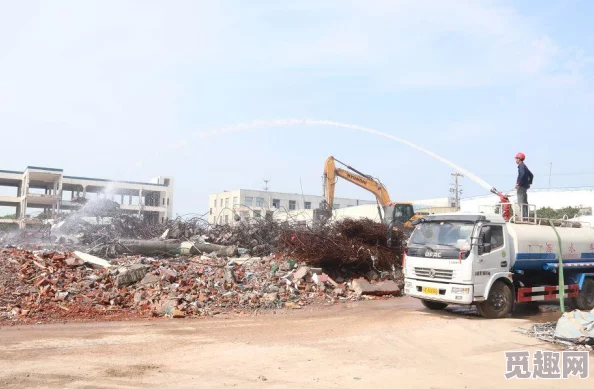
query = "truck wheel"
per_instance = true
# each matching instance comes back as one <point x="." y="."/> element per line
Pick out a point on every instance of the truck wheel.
<point x="499" y="303"/>
<point x="434" y="305"/>
<point x="585" y="299"/>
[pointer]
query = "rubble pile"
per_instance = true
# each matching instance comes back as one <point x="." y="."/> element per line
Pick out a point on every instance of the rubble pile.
<point x="106" y="230"/>
<point x="260" y="237"/>
<point x="16" y="237"/>
<point x="44" y="286"/>
<point x="358" y="245"/>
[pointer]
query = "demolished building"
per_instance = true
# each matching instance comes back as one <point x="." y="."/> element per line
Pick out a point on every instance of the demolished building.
<point x="48" y="190"/>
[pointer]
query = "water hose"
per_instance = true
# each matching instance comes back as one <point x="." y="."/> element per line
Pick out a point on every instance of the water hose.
<point x="561" y="277"/>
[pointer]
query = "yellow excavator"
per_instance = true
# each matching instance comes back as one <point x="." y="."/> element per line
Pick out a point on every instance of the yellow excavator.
<point x="395" y="213"/>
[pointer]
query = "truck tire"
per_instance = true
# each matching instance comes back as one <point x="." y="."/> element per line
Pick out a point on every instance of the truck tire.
<point x="585" y="299"/>
<point x="434" y="305"/>
<point x="499" y="303"/>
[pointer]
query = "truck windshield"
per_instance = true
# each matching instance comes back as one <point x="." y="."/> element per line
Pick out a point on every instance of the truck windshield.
<point x="443" y="233"/>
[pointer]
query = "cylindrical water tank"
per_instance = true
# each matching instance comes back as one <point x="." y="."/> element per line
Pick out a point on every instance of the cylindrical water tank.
<point x="535" y="245"/>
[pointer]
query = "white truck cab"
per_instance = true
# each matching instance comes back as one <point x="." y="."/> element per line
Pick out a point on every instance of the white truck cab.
<point x="484" y="260"/>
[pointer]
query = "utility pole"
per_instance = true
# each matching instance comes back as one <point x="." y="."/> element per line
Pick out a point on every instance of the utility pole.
<point x="550" y="171"/>
<point x="456" y="191"/>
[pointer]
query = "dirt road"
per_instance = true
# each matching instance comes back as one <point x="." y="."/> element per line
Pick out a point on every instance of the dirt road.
<point x="375" y="344"/>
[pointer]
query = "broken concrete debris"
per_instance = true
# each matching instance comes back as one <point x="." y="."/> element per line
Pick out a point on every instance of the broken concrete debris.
<point x="363" y="287"/>
<point x="188" y="269"/>
<point x="130" y="275"/>
<point x="51" y="285"/>
<point x="88" y="258"/>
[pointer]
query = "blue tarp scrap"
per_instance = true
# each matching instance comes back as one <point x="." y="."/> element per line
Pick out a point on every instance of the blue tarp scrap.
<point x="576" y="326"/>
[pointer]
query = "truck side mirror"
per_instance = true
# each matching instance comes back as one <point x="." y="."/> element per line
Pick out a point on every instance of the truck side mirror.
<point x="484" y="245"/>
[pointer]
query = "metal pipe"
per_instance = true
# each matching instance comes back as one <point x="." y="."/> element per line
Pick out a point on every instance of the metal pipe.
<point x="561" y="277"/>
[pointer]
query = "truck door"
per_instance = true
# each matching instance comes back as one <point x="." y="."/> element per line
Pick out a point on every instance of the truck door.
<point x="492" y="256"/>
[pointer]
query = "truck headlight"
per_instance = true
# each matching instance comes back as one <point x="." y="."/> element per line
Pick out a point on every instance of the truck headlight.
<point x="461" y="290"/>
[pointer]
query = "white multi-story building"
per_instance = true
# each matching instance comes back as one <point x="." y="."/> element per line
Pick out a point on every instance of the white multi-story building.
<point x="224" y="207"/>
<point x="50" y="191"/>
<point x="555" y="198"/>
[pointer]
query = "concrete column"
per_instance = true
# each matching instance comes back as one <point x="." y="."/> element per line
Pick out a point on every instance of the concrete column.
<point x="26" y="185"/>
<point x="122" y="200"/>
<point x="140" y="203"/>
<point x="23" y="209"/>
<point x="129" y="199"/>
<point x="85" y="191"/>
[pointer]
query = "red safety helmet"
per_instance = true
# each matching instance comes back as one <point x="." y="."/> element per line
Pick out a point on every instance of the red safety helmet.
<point x="521" y="156"/>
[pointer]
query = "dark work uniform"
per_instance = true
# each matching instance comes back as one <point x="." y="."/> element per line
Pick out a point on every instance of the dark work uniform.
<point x="524" y="181"/>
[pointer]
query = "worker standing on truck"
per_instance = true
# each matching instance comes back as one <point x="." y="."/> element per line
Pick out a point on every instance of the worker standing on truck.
<point x="523" y="183"/>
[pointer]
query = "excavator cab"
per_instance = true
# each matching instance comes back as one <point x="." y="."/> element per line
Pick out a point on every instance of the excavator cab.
<point x="399" y="214"/>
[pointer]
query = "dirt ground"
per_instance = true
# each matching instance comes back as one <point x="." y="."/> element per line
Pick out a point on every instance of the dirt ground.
<point x="372" y="344"/>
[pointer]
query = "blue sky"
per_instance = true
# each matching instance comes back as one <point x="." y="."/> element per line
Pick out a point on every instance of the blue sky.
<point x="123" y="90"/>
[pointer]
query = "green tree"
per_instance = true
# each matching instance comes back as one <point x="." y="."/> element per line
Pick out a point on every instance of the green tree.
<point x="550" y="213"/>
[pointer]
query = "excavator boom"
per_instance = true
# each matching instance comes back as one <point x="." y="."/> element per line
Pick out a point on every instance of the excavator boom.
<point x="360" y="179"/>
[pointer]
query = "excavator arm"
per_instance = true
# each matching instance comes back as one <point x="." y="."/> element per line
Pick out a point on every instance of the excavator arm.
<point x="398" y="212"/>
<point x="360" y="179"/>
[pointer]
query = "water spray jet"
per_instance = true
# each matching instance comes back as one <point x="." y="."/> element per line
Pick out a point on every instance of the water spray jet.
<point x="311" y="122"/>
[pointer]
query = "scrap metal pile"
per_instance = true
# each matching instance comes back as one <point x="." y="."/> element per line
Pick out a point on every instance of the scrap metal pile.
<point x="546" y="333"/>
<point x="354" y="244"/>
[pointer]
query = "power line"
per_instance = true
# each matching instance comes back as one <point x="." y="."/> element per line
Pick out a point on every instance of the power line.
<point x="552" y="174"/>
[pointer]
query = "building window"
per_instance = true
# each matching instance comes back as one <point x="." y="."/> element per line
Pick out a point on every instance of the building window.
<point x="259" y="202"/>
<point x="220" y="220"/>
<point x="221" y="203"/>
<point x="292" y="205"/>
<point x="226" y="219"/>
<point x="249" y="201"/>
<point x="211" y="212"/>
<point x="227" y="202"/>
<point x="276" y="203"/>
<point x="163" y="200"/>
<point x="257" y="214"/>
<point x="167" y="200"/>
<point x="235" y="201"/>
<point x="307" y="205"/>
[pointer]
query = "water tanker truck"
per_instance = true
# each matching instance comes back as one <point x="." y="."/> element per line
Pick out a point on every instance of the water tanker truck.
<point x="493" y="262"/>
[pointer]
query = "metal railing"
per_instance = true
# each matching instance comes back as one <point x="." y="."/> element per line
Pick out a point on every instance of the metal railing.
<point x="513" y="212"/>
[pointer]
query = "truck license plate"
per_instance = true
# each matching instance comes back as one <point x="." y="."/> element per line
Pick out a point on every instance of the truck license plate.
<point x="430" y="290"/>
